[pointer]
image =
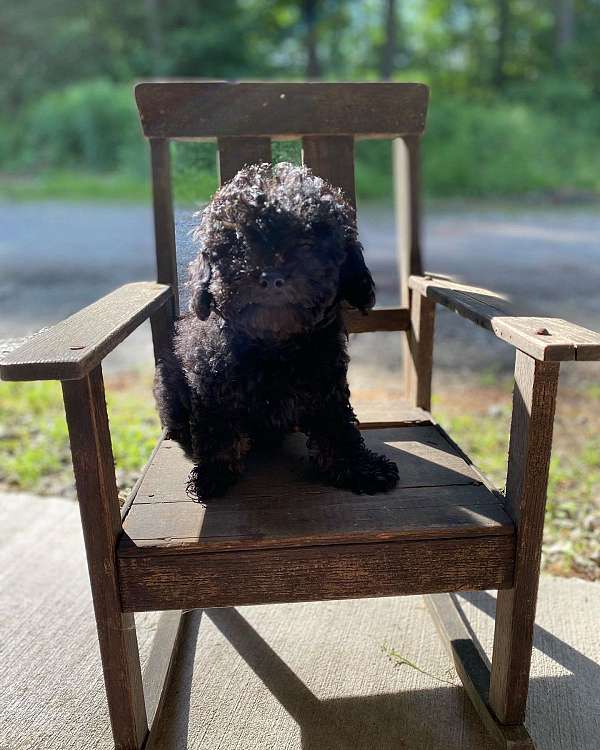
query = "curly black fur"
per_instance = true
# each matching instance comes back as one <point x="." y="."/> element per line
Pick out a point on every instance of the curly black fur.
<point x="263" y="349"/>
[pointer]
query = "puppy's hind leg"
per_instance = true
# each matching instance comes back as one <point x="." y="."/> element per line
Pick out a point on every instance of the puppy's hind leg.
<point x="172" y="395"/>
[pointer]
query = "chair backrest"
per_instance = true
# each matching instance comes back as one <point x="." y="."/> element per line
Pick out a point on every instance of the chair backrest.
<point x="243" y="118"/>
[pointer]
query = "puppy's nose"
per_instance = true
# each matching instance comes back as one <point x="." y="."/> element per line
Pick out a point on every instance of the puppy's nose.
<point x="271" y="280"/>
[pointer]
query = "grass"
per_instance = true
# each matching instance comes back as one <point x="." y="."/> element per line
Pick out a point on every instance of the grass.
<point x="35" y="453"/>
<point x="398" y="660"/>
<point x="74" y="185"/>
<point x="476" y="145"/>
<point x="478" y="418"/>
<point x="191" y="187"/>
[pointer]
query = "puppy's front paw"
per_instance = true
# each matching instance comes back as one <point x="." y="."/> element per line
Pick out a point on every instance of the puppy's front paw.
<point x="365" y="474"/>
<point x="372" y="473"/>
<point x="209" y="480"/>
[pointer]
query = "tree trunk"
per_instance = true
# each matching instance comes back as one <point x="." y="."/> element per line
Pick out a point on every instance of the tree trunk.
<point x="564" y="27"/>
<point x="152" y="13"/>
<point x="503" y="13"/>
<point x="390" y="27"/>
<point x="309" y="17"/>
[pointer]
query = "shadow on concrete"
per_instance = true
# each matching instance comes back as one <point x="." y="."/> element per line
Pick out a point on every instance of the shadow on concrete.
<point x="407" y="720"/>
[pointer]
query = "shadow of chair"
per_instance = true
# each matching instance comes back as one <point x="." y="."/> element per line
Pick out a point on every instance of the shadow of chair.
<point x="386" y="721"/>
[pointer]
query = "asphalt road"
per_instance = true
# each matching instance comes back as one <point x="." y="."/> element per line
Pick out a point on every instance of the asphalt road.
<point x="57" y="257"/>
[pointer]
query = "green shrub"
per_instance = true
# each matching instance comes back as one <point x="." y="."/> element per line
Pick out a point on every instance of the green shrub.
<point x="504" y="147"/>
<point x="373" y="170"/>
<point x="487" y="146"/>
<point x="92" y="125"/>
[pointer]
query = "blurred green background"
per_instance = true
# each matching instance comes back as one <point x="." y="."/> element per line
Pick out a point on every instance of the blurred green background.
<point x="515" y="87"/>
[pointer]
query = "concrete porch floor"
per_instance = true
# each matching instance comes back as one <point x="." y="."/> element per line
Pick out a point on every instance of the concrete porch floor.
<point x="314" y="676"/>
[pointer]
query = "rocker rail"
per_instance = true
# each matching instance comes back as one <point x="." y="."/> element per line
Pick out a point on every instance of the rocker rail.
<point x="473" y="671"/>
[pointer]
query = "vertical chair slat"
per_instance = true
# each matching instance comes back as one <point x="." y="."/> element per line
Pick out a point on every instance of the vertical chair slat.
<point x="235" y="153"/>
<point x="332" y="158"/>
<point x="166" y="252"/>
<point x="407" y="198"/>
<point x="407" y="191"/>
<point x="164" y="222"/>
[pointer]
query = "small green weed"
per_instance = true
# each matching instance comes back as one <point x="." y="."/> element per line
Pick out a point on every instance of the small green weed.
<point x="399" y="661"/>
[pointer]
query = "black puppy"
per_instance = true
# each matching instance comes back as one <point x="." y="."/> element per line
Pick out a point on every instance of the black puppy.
<point x="263" y="349"/>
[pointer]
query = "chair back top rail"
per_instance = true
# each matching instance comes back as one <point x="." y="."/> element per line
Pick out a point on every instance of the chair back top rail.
<point x="208" y="110"/>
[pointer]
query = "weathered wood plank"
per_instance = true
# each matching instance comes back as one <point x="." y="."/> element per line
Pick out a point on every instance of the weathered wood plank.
<point x="545" y="339"/>
<point x="73" y="347"/>
<point x="534" y="402"/>
<point x="379" y="319"/>
<point x="419" y="352"/>
<point x="235" y="153"/>
<point x="442" y="512"/>
<point x="225" y="579"/>
<point x="93" y="464"/>
<point x="549" y="339"/>
<point x="478" y="303"/>
<point x="407" y="209"/>
<point x="425" y="457"/>
<point x="332" y="158"/>
<point x="211" y="109"/>
<point x="384" y="413"/>
<point x="473" y="671"/>
<point x="278" y="505"/>
<point x="158" y="668"/>
<point x="164" y="220"/>
<point x="407" y="199"/>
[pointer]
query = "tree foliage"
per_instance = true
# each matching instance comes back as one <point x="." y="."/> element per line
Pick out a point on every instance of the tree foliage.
<point x="68" y="66"/>
<point x="466" y="44"/>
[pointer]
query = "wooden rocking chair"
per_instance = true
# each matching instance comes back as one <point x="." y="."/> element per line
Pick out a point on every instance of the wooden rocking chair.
<point x="277" y="538"/>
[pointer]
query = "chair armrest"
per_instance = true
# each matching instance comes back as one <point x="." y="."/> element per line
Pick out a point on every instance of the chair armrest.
<point x="545" y="339"/>
<point x="70" y="349"/>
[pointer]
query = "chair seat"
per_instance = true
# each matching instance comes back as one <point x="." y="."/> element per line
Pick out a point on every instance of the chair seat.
<point x="441" y="522"/>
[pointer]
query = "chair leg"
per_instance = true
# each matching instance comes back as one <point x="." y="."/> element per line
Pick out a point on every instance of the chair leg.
<point x="122" y="677"/>
<point x="93" y="465"/>
<point x="511" y="658"/>
<point x="418" y="351"/>
<point x="534" y="401"/>
<point x="500" y="695"/>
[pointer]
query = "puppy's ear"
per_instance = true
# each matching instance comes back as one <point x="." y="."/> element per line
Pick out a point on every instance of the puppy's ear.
<point x="356" y="282"/>
<point x="201" y="301"/>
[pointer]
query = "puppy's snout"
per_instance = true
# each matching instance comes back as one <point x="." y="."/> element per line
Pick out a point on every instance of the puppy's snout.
<point x="271" y="280"/>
